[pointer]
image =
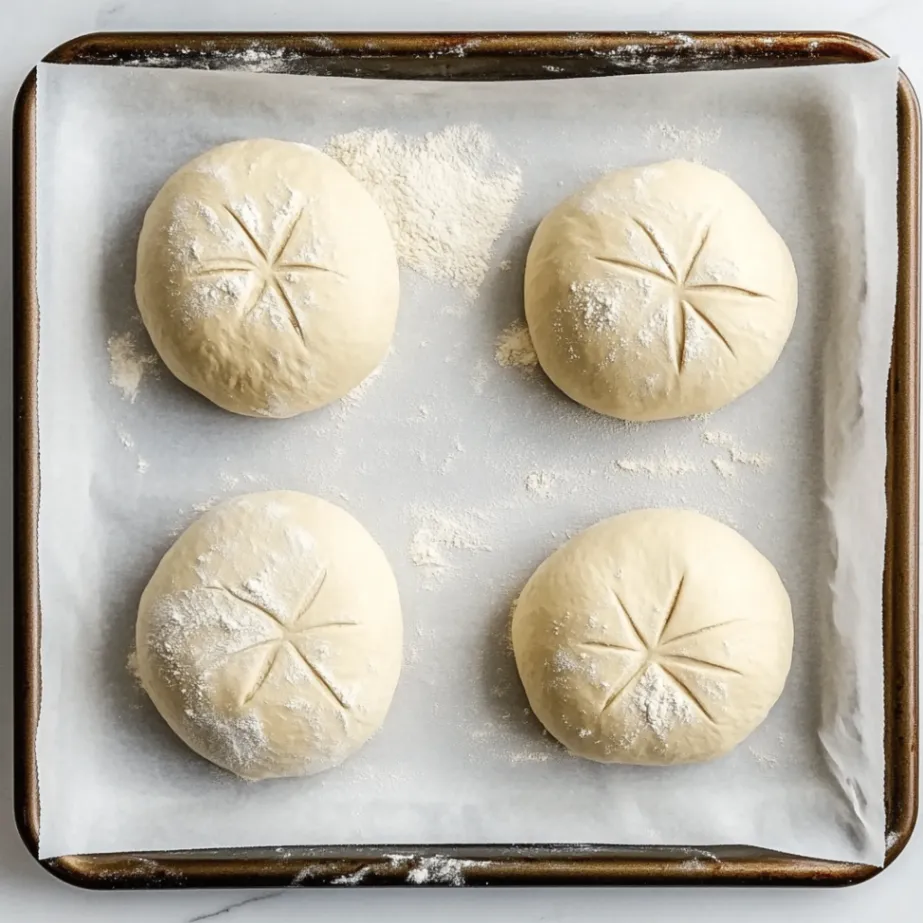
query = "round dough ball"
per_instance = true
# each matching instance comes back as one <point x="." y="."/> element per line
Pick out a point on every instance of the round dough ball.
<point x="258" y="644"/>
<point x="655" y="637"/>
<point x="658" y="292"/>
<point x="267" y="278"/>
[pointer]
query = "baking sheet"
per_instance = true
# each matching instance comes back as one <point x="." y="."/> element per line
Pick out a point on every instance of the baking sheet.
<point x="506" y="460"/>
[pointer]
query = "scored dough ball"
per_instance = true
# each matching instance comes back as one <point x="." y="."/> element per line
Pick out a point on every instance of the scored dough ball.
<point x="269" y="637"/>
<point x="658" y="292"/>
<point x="655" y="637"/>
<point x="267" y="278"/>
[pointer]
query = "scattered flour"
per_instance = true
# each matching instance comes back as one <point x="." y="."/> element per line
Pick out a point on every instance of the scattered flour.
<point x="453" y="455"/>
<point x="529" y="756"/>
<point x="659" y="703"/>
<point x="129" y="443"/>
<point x="354" y="877"/>
<point x="352" y="399"/>
<point x="598" y="304"/>
<point x="736" y="454"/>
<point x="663" y="468"/>
<point x="421" y="870"/>
<point x="437" y="534"/>
<point x="715" y="689"/>
<point x="480" y="376"/>
<point x="725" y="467"/>
<point x="131" y="664"/>
<point x="687" y="142"/>
<point x="205" y="505"/>
<point x="257" y="58"/>
<point x="127" y="366"/>
<point x="719" y="438"/>
<point x="540" y="484"/>
<point x="758" y="460"/>
<point x="514" y="347"/>
<point x="764" y="759"/>
<point x="447" y="196"/>
<point x="440" y="870"/>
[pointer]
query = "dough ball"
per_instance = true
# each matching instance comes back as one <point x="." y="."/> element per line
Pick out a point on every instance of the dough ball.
<point x="269" y="637"/>
<point x="658" y="292"/>
<point x="656" y="637"/>
<point x="267" y="278"/>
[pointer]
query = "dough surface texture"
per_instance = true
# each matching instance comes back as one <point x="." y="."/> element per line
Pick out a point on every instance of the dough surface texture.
<point x="654" y="637"/>
<point x="658" y="292"/>
<point x="267" y="278"/>
<point x="269" y="637"/>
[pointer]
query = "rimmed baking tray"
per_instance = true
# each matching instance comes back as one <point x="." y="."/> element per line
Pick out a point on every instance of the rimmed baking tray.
<point x="480" y="57"/>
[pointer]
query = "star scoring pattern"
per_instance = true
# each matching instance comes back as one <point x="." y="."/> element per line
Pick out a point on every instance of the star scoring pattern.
<point x="288" y="637"/>
<point x="687" y="300"/>
<point x="658" y="651"/>
<point x="267" y="264"/>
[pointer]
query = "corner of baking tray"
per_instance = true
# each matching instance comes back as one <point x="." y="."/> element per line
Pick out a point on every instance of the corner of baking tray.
<point x="898" y="839"/>
<point x="73" y="872"/>
<point x="856" y="43"/>
<point x="25" y="96"/>
<point x="73" y="48"/>
<point x="909" y="97"/>
<point x="65" y="868"/>
<point x="106" y="47"/>
<point x="28" y="831"/>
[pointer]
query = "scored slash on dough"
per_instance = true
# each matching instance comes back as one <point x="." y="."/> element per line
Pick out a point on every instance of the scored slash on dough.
<point x="708" y="664"/>
<point x="268" y="263"/>
<point x="284" y="640"/>
<point x="655" y="656"/>
<point x="684" y="309"/>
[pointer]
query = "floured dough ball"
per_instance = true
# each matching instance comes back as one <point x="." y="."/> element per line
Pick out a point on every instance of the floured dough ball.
<point x="658" y="292"/>
<point x="260" y="645"/>
<point x="655" y="637"/>
<point x="267" y="278"/>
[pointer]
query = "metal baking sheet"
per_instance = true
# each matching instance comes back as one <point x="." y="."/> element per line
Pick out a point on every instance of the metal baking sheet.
<point x="475" y="874"/>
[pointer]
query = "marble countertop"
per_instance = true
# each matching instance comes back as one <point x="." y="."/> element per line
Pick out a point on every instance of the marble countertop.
<point x="30" y="28"/>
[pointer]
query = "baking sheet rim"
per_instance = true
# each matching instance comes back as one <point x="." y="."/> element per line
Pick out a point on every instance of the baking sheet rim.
<point x="504" y="864"/>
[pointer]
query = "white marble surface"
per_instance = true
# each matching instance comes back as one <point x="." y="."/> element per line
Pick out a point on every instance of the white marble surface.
<point x="28" y="29"/>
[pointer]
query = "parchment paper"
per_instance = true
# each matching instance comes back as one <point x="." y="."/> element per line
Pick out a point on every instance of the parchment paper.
<point x="446" y="429"/>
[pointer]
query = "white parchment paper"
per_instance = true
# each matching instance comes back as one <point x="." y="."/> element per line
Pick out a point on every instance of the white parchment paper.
<point x="444" y="431"/>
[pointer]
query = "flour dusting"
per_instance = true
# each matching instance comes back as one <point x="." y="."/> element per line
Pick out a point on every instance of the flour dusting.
<point x="764" y="759"/>
<point x="725" y="467"/>
<point x="514" y="347"/>
<point x="664" y="468"/>
<point x="131" y="664"/>
<point x="598" y="304"/>
<point x="660" y="704"/>
<point x="440" y="870"/>
<point x="540" y="484"/>
<point x="352" y="399"/>
<point x="354" y="877"/>
<point x="682" y="142"/>
<point x="437" y="534"/>
<point x="447" y="196"/>
<point x="736" y="454"/>
<point x="127" y="366"/>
